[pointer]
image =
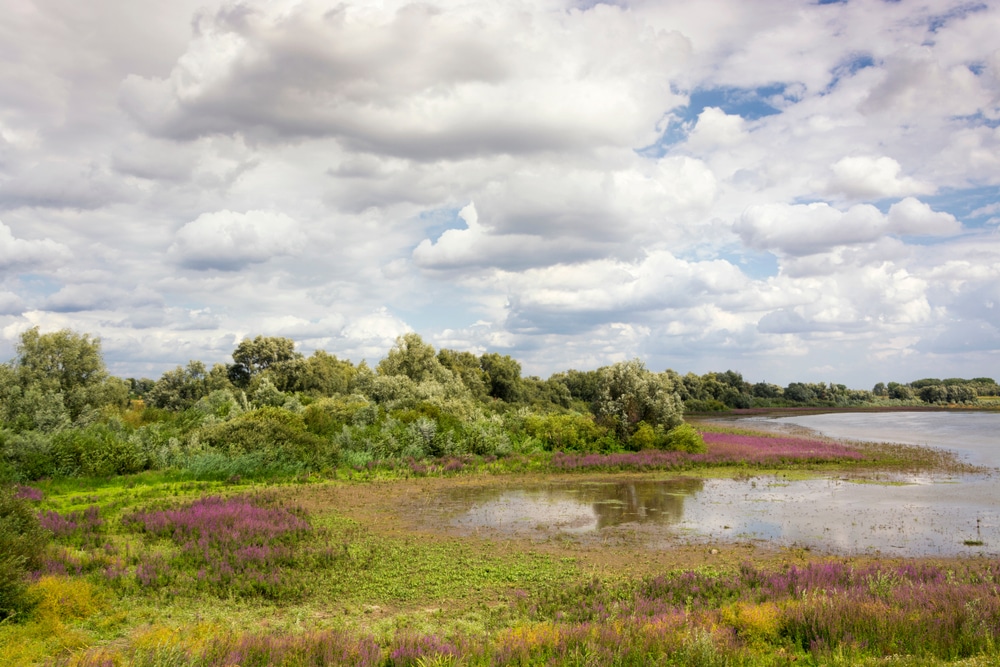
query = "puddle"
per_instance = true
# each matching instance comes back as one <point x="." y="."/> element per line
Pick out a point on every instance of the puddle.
<point x="908" y="516"/>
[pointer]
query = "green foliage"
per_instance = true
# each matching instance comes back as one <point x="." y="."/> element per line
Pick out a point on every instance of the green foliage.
<point x="503" y="377"/>
<point x="252" y="357"/>
<point x="630" y="394"/>
<point x="274" y="434"/>
<point x="467" y="368"/>
<point x="321" y="374"/>
<point x="22" y="544"/>
<point x="56" y="378"/>
<point x="99" y="450"/>
<point x="570" y="432"/>
<point x="685" y="438"/>
<point x="182" y="387"/>
<point x="414" y="359"/>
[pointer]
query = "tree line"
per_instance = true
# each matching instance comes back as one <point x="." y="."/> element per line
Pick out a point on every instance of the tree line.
<point x="274" y="410"/>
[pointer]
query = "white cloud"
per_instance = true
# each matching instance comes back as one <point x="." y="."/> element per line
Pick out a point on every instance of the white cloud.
<point x="18" y="253"/>
<point x="228" y="241"/>
<point x="688" y="182"/>
<point x="417" y="81"/>
<point x="864" y="177"/>
<point x="911" y="216"/>
<point x="808" y="229"/>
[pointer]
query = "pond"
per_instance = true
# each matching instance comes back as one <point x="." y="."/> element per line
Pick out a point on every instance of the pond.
<point x="904" y="515"/>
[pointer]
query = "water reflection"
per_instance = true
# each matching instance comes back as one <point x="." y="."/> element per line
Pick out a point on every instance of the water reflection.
<point x="575" y="507"/>
<point x="912" y="516"/>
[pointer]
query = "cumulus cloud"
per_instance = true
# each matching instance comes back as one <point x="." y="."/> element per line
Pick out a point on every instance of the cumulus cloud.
<point x="229" y="241"/>
<point x="911" y="216"/>
<point x="807" y="229"/>
<point x="62" y="184"/>
<point x="418" y="80"/>
<point x="736" y="187"/>
<point x="18" y="253"/>
<point x="567" y="297"/>
<point x="83" y="296"/>
<point x="864" y="177"/>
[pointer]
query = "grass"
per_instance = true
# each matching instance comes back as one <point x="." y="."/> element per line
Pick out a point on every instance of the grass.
<point x="162" y="569"/>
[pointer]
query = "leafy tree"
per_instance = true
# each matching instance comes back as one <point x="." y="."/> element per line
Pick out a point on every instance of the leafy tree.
<point x="415" y="359"/>
<point x="64" y="364"/>
<point x="583" y="386"/>
<point x="545" y="393"/>
<point x="182" y="387"/>
<point x="900" y="392"/>
<point x="503" y="375"/>
<point x="139" y="388"/>
<point x="467" y="368"/>
<point x="254" y="356"/>
<point x="631" y="394"/>
<point x="766" y="390"/>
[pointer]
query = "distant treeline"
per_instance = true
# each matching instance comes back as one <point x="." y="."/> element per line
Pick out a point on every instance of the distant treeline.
<point x="275" y="411"/>
<point x="728" y="390"/>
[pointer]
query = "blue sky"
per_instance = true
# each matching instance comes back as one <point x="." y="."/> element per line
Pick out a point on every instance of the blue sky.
<point x="798" y="190"/>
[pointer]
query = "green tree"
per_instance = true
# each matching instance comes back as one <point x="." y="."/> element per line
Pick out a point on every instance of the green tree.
<point x="467" y="368"/>
<point x="415" y="359"/>
<point x="503" y="375"/>
<point x="252" y="357"/>
<point x="631" y="394"/>
<point x="182" y="387"/>
<point x="61" y="364"/>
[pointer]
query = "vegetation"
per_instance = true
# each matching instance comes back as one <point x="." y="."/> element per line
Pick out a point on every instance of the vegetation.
<point x="152" y="522"/>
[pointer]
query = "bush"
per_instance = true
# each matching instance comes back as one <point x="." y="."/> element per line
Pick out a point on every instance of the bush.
<point x="565" y="432"/>
<point x="27" y="456"/>
<point x="22" y="544"/>
<point x="276" y="436"/>
<point x="685" y="438"/>
<point x="98" y="450"/>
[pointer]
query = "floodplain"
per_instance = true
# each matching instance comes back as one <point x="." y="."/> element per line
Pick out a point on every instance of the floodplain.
<point x="639" y="558"/>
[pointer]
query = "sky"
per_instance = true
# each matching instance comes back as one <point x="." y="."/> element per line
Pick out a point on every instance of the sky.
<point x="796" y="190"/>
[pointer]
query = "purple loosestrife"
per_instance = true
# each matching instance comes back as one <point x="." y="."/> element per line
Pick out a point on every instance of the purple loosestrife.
<point x="28" y="493"/>
<point x="235" y="545"/>
<point x="723" y="449"/>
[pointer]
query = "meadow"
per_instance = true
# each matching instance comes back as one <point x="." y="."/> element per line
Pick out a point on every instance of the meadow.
<point x="164" y="569"/>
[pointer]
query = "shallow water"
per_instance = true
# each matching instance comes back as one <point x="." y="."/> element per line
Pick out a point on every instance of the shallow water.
<point x="975" y="435"/>
<point x="911" y="517"/>
<point x="901" y="515"/>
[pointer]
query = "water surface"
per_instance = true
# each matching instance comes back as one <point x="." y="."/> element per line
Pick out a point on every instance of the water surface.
<point x="900" y="515"/>
<point x="974" y="435"/>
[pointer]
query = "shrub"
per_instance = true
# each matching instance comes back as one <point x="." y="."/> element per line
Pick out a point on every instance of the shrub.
<point x="565" y="432"/>
<point x="27" y="456"/>
<point x="685" y="438"/>
<point x="22" y="543"/>
<point x="276" y="435"/>
<point x="98" y="450"/>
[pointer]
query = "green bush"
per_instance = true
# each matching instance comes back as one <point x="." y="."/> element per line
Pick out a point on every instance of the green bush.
<point x="99" y="450"/>
<point x="277" y="436"/>
<point x="565" y="432"/>
<point x="649" y="437"/>
<point x="27" y="456"/>
<point x="685" y="438"/>
<point x="22" y="544"/>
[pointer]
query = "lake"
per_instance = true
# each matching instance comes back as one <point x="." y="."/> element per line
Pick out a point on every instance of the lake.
<point x="902" y="515"/>
<point x="974" y="435"/>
